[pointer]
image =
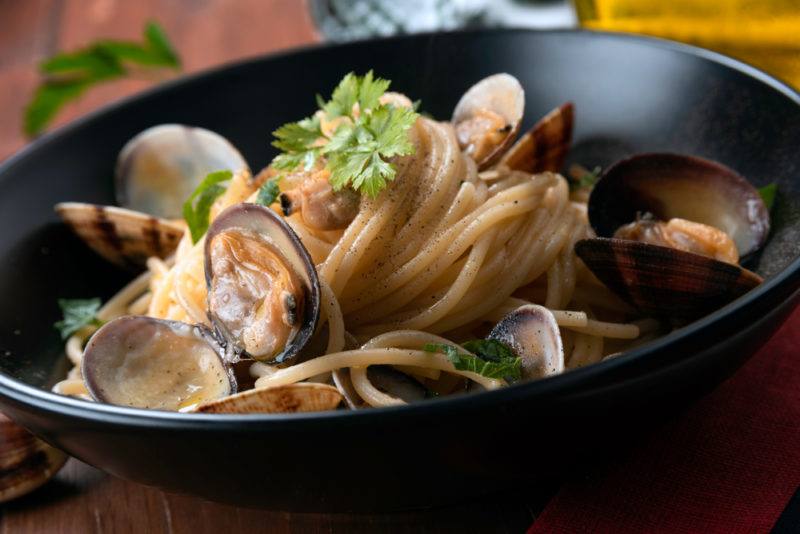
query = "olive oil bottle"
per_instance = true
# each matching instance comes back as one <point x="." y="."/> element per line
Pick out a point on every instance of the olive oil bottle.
<point x="764" y="33"/>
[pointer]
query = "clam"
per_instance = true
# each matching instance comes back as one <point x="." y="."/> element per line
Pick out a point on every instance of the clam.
<point x="319" y="205"/>
<point x="121" y="236"/>
<point x="291" y="398"/>
<point x="665" y="282"/>
<point x="26" y="462"/>
<point x="155" y="363"/>
<point x="677" y="186"/>
<point x="532" y="333"/>
<point x="159" y="168"/>
<point x="488" y="117"/>
<point x="544" y="147"/>
<point x="263" y="290"/>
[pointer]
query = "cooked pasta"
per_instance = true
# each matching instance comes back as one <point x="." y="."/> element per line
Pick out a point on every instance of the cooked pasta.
<point x="443" y="253"/>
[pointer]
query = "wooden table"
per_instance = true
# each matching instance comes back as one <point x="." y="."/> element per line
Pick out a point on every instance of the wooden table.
<point x="206" y="32"/>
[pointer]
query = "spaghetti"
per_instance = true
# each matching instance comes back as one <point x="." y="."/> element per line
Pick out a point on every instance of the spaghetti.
<point x="440" y="255"/>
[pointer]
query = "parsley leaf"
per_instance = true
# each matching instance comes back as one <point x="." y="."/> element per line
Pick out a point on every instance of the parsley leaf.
<point x="198" y="206"/>
<point x="358" y="150"/>
<point x="68" y="74"/>
<point x="491" y="350"/>
<point x="586" y="180"/>
<point x="77" y="314"/>
<point x="492" y="358"/>
<point x="268" y="192"/>
<point x="768" y="193"/>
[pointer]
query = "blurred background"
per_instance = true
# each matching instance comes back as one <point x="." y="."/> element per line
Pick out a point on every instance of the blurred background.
<point x="205" y="33"/>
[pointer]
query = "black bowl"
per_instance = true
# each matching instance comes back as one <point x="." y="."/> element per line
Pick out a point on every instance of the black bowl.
<point x="631" y="95"/>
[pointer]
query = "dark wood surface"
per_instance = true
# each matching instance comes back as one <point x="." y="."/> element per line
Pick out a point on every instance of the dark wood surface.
<point x="206" y="32"/>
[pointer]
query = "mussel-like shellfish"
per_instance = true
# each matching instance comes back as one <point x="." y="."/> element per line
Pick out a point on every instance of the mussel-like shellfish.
<point x="159" y="168"/>
<point x="155" y="363"/>
<point x="665" y="282"/>
<point x="684" y="222"/>
<point x="26" y="462"/>
<point x="291" y="398"/>
<point x="487" y="118"/>
<point x="123" y="237"/>
<point x="263" y="289"/>
<point x="544" y="147"/>
<point x="678" y="186"/>
<point x="531" y="331"/>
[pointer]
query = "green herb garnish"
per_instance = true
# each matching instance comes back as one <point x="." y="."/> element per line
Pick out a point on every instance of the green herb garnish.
<point x="492" y="358"/>
<point x="768" y="193"/>
<point x="268" y="192"/>
<point x="587" y="180"/>
<point x="77" y="314"/>
<point x="198" y="205"/>
<point x="69" y="74"/>
<point x="358" y="152"/>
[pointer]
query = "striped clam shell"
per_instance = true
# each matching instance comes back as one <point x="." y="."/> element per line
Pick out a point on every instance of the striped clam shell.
<point x="665" y="282"/>
<point x="290" y="398"/>
<point x="123" y="237"/>
<point x="544" y="147"/>
<point x="26" y="462"/>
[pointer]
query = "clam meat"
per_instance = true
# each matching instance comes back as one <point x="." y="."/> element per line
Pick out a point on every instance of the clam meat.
<point x="263" y="290"/>
<point x="487" y="118"/>
<point x="319" y="205"/>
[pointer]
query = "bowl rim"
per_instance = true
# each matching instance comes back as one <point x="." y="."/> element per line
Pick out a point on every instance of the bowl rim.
<point x="22" y="394"/>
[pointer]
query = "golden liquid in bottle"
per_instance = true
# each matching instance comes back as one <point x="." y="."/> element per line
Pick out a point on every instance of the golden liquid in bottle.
<point x="764" y="33"/>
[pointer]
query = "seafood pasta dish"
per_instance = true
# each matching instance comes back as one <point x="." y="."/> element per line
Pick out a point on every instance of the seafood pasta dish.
<point x="385" y="257"/>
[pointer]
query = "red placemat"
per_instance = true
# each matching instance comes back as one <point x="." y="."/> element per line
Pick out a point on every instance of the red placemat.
<point x="729" y="465"/>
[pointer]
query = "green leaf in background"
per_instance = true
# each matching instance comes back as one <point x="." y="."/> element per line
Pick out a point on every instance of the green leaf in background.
<point x="68" y="74"/>
<point x="768" y="193"/>
<point x="47" y="100"/>
<point x="77" y="314"/>
<point x="198" y="206"/>
<point x="160" y="45"/>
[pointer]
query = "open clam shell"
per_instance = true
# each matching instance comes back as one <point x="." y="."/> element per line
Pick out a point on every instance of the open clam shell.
<point x="263" y="289"/>
<point x="154" y="363"/>
<point x="291" y="398"/>
<point x="686" y="187"/>
<point x="26" y="462"/>
<point x="123" y="237"/>
<point x="160" y="167"/>
<point x="665" y="282"/>
<point x="498" y="99"/>
<point x="544" y="147"/>
<point x="531" y="331"/>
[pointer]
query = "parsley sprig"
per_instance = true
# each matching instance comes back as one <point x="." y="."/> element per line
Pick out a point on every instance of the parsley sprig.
<point x="492" y="358"/>
<point x="68" y="75"/>
<point x="197" y="207"/>
<point x="368" y="135"/>
<point x="77" y="314"/>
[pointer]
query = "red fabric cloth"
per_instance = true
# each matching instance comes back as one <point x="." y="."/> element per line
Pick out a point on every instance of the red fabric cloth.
<point x="730" y="465"/>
